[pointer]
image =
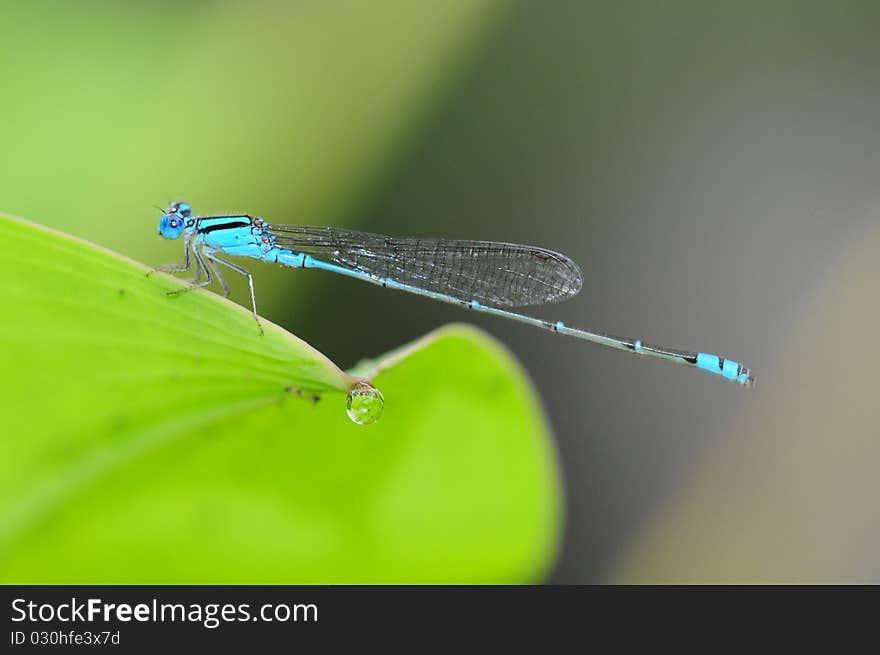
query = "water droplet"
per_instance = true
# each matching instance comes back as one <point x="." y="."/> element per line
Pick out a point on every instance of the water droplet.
<point x="364" y="404"/>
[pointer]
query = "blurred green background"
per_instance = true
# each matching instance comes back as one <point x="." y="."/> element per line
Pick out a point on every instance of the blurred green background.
<point x="713" y="167"/>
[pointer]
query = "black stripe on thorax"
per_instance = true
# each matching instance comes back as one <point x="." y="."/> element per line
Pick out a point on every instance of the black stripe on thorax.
<point x="233" y="222"/>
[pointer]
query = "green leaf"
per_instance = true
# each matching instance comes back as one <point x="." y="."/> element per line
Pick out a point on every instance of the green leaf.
<point x="151" y="438"/>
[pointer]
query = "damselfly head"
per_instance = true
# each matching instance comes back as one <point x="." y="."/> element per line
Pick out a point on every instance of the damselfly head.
<point x="171" y="226"/>
<point x="182" y="209"/>
<point x="175" y="219"/>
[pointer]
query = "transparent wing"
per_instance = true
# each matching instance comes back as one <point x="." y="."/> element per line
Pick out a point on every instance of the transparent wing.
<point x="499" y="274"/>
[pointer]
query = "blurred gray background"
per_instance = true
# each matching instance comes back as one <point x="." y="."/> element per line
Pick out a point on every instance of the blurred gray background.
<point x="705" y="163"/>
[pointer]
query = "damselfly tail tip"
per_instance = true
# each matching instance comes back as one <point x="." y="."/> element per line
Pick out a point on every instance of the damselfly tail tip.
<point x="726" y="368"/>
